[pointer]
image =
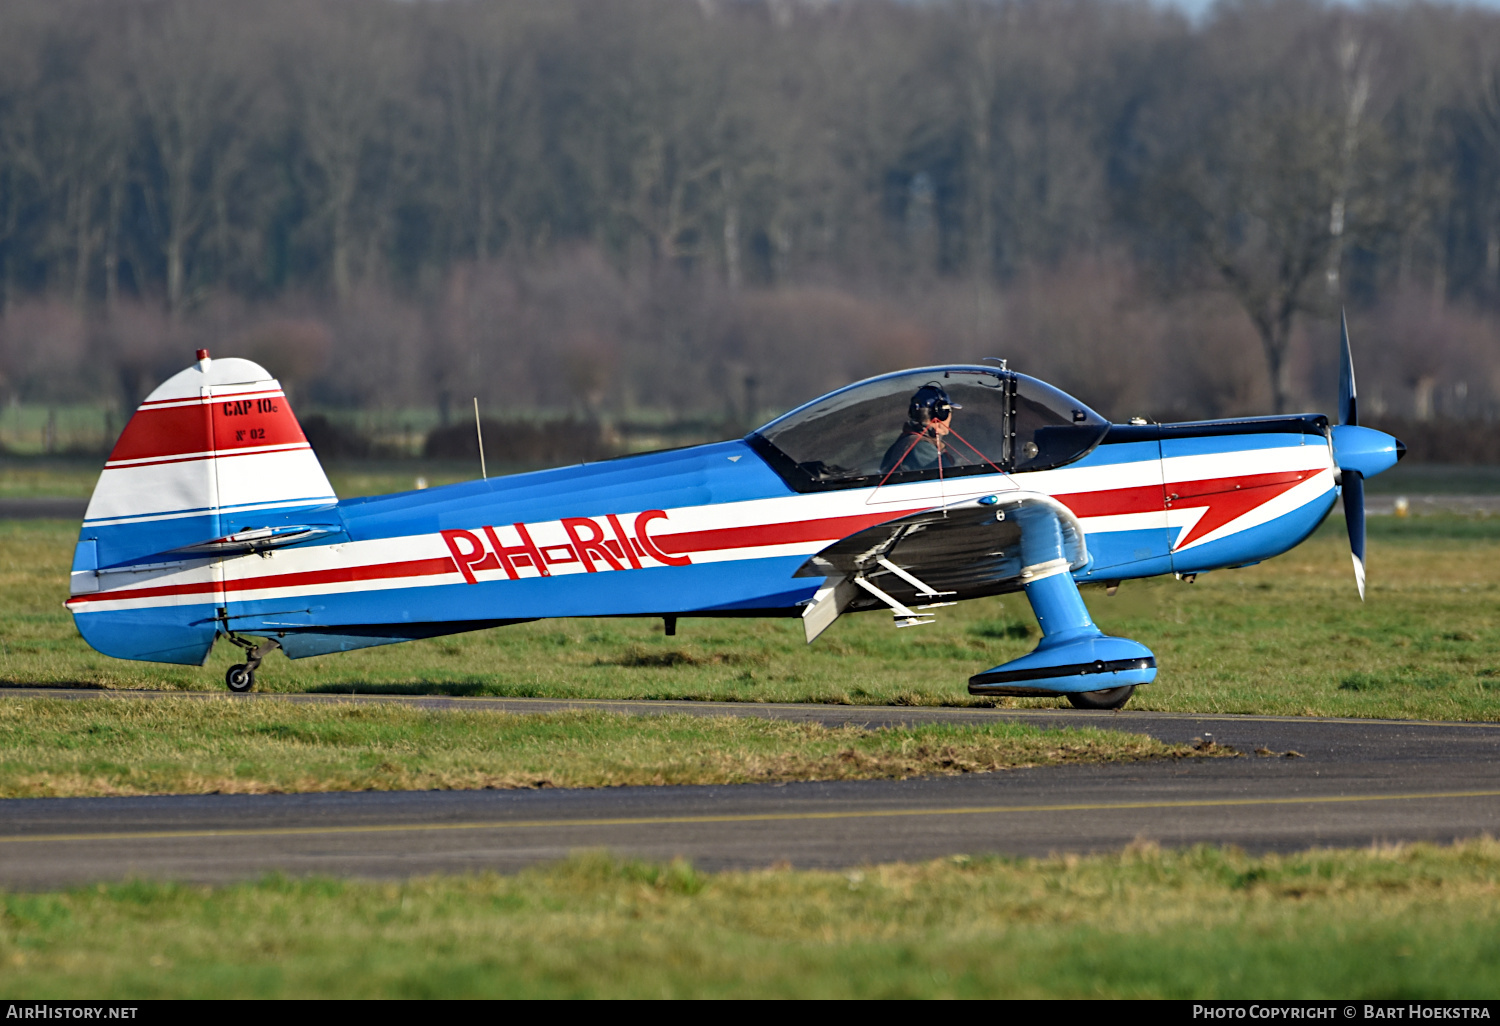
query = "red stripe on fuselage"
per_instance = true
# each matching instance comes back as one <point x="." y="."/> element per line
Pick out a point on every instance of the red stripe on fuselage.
<point x="828" y="529"/>
<point x="1231" y="499"/>
<point x="306" y="578"/>
<point x="1226" y="499"/>
<point x="1115" y="502"/>
<point x="796" y="532"/>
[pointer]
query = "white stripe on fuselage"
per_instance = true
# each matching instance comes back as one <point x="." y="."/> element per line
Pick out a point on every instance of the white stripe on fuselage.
<point x="241" y="573"/>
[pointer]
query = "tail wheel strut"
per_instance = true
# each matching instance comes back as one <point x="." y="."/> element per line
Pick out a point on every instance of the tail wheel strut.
<point x="241" y="676"/>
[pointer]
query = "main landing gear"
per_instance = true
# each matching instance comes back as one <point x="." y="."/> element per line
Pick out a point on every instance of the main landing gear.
<point x="1074" y="657"/>
<point x="241" y="676"/>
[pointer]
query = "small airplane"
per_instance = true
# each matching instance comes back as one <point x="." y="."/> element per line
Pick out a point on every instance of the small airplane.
<point x="909" y="491"/>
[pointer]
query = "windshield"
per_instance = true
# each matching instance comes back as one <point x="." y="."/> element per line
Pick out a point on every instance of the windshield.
<point x="1052" y="428"/>
<point x="930" y="423"/>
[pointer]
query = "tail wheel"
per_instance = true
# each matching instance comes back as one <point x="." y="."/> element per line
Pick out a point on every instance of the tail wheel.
<point x="240" y="678"/>
<point x="1112" y="698"/>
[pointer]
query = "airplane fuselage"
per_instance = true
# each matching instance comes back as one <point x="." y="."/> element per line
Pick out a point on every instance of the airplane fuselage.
<point x="712" y="530"/>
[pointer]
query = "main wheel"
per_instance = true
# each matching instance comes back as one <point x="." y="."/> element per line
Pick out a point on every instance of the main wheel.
<point x="1112" y="698"/>
<point x="240" y="678"/>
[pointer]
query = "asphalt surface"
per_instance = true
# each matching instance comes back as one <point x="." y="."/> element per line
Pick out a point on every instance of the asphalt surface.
<point x="42" y="507"/>
<point x="1353" y="782"/>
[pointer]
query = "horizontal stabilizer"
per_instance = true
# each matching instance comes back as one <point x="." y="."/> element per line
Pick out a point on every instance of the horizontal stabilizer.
<point x="255" y="540"/>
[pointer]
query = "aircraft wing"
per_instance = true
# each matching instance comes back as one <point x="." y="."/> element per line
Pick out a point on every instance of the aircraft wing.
<point x="963" y="550"/>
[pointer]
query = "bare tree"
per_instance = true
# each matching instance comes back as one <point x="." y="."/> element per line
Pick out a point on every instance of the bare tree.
<point x="631" y="191"/>
<point x="1261" y="178"/>
<point x="21" y="170"/>
<point x="345" y="75"/>
<point x="85" y="141"/>
<point x="1481" y="93"/>
<point x="485" y="70"/>
<point x="191" y="104"/>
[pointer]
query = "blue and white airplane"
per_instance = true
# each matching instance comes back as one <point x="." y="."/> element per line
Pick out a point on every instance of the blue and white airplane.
<point x="910" y="491"/>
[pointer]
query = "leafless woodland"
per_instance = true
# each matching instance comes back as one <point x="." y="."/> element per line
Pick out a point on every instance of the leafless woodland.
<point x="714" y="209"/>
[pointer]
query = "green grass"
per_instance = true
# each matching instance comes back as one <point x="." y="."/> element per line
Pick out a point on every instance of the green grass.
<point x="62" y="748"/>
<point x="38" y="428"/>
<point x="1288" y="636"/>
<point x="1413" y="478"/>
<point x="382" y="477"/>
<point x="48" y="478"/>
<point x="1408" y="922"/>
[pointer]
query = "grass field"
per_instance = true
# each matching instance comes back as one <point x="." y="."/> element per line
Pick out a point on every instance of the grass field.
<point x="60" y="748"/>
<point x="1408" y="922"/>
<point x="1288" y="636"/>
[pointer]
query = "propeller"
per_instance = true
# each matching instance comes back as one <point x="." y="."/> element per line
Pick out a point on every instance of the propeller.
<point x="1353" y="481"/>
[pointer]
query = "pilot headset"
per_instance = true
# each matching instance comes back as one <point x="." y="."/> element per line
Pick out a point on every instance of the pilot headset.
<point x="930" y="403"/>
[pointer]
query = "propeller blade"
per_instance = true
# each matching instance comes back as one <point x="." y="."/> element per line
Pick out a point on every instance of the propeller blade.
<point x="1348" y="404"/>
<point x="1354" y="518"/>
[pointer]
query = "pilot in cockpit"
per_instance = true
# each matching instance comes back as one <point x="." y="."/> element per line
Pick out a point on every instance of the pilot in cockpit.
<point x="924" y="438"/>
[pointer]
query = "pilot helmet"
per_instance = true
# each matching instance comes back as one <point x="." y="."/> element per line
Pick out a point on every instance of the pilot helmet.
<point x="930" y="403"/>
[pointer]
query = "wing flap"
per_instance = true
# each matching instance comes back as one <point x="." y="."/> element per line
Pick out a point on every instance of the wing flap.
<point x="827" y="605"/>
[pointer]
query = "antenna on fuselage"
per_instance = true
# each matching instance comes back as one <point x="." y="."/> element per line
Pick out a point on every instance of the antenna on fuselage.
<point x="479" y="433"/>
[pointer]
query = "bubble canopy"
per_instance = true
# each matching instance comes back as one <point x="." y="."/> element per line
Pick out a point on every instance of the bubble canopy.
<point x="860" y="435"/>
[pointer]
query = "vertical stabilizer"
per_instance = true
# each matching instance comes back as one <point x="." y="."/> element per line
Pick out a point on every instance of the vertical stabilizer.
<point x="214" y="450"/>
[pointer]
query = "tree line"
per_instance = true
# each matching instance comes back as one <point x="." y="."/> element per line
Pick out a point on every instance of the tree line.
<point x="717" y="207"/>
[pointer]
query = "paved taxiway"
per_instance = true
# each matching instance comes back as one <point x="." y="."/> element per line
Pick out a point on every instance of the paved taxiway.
<point x="1356" y="782"/>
